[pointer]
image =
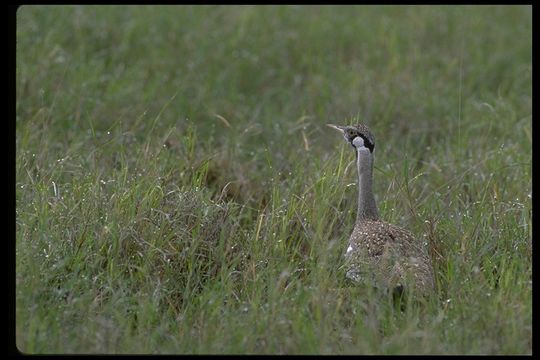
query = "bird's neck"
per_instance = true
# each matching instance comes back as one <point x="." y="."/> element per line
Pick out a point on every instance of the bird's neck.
<point x="367" y="208"/>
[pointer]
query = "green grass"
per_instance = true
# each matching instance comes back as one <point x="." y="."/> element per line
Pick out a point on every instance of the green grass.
<point x="177" y="190"/>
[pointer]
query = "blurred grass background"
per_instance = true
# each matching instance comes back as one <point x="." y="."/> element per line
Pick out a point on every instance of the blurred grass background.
<point x="178" y="192"/>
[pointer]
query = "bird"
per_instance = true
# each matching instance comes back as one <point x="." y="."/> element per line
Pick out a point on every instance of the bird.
<point x="383" y="254"/>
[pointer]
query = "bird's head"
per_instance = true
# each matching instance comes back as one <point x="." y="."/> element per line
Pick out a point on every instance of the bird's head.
<point x="359" y="136"/>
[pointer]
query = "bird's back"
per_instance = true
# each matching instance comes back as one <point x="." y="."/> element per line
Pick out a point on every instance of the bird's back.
<point x="389" y="256"/>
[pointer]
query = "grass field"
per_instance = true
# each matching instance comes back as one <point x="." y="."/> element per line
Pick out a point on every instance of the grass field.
<point x="177" y="190"/>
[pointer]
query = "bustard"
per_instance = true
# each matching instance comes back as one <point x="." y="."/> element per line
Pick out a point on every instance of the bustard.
<point x="388" y="256"/>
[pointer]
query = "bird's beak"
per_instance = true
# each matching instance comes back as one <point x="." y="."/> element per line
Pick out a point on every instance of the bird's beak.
<point x="339" y="128"/>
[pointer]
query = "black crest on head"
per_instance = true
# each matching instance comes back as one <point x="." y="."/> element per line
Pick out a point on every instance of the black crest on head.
<point x="363" y="131"/>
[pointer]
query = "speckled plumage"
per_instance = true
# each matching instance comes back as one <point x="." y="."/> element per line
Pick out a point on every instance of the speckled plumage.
<point x="388" y="256"/>
<point x="383" y="254"/>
